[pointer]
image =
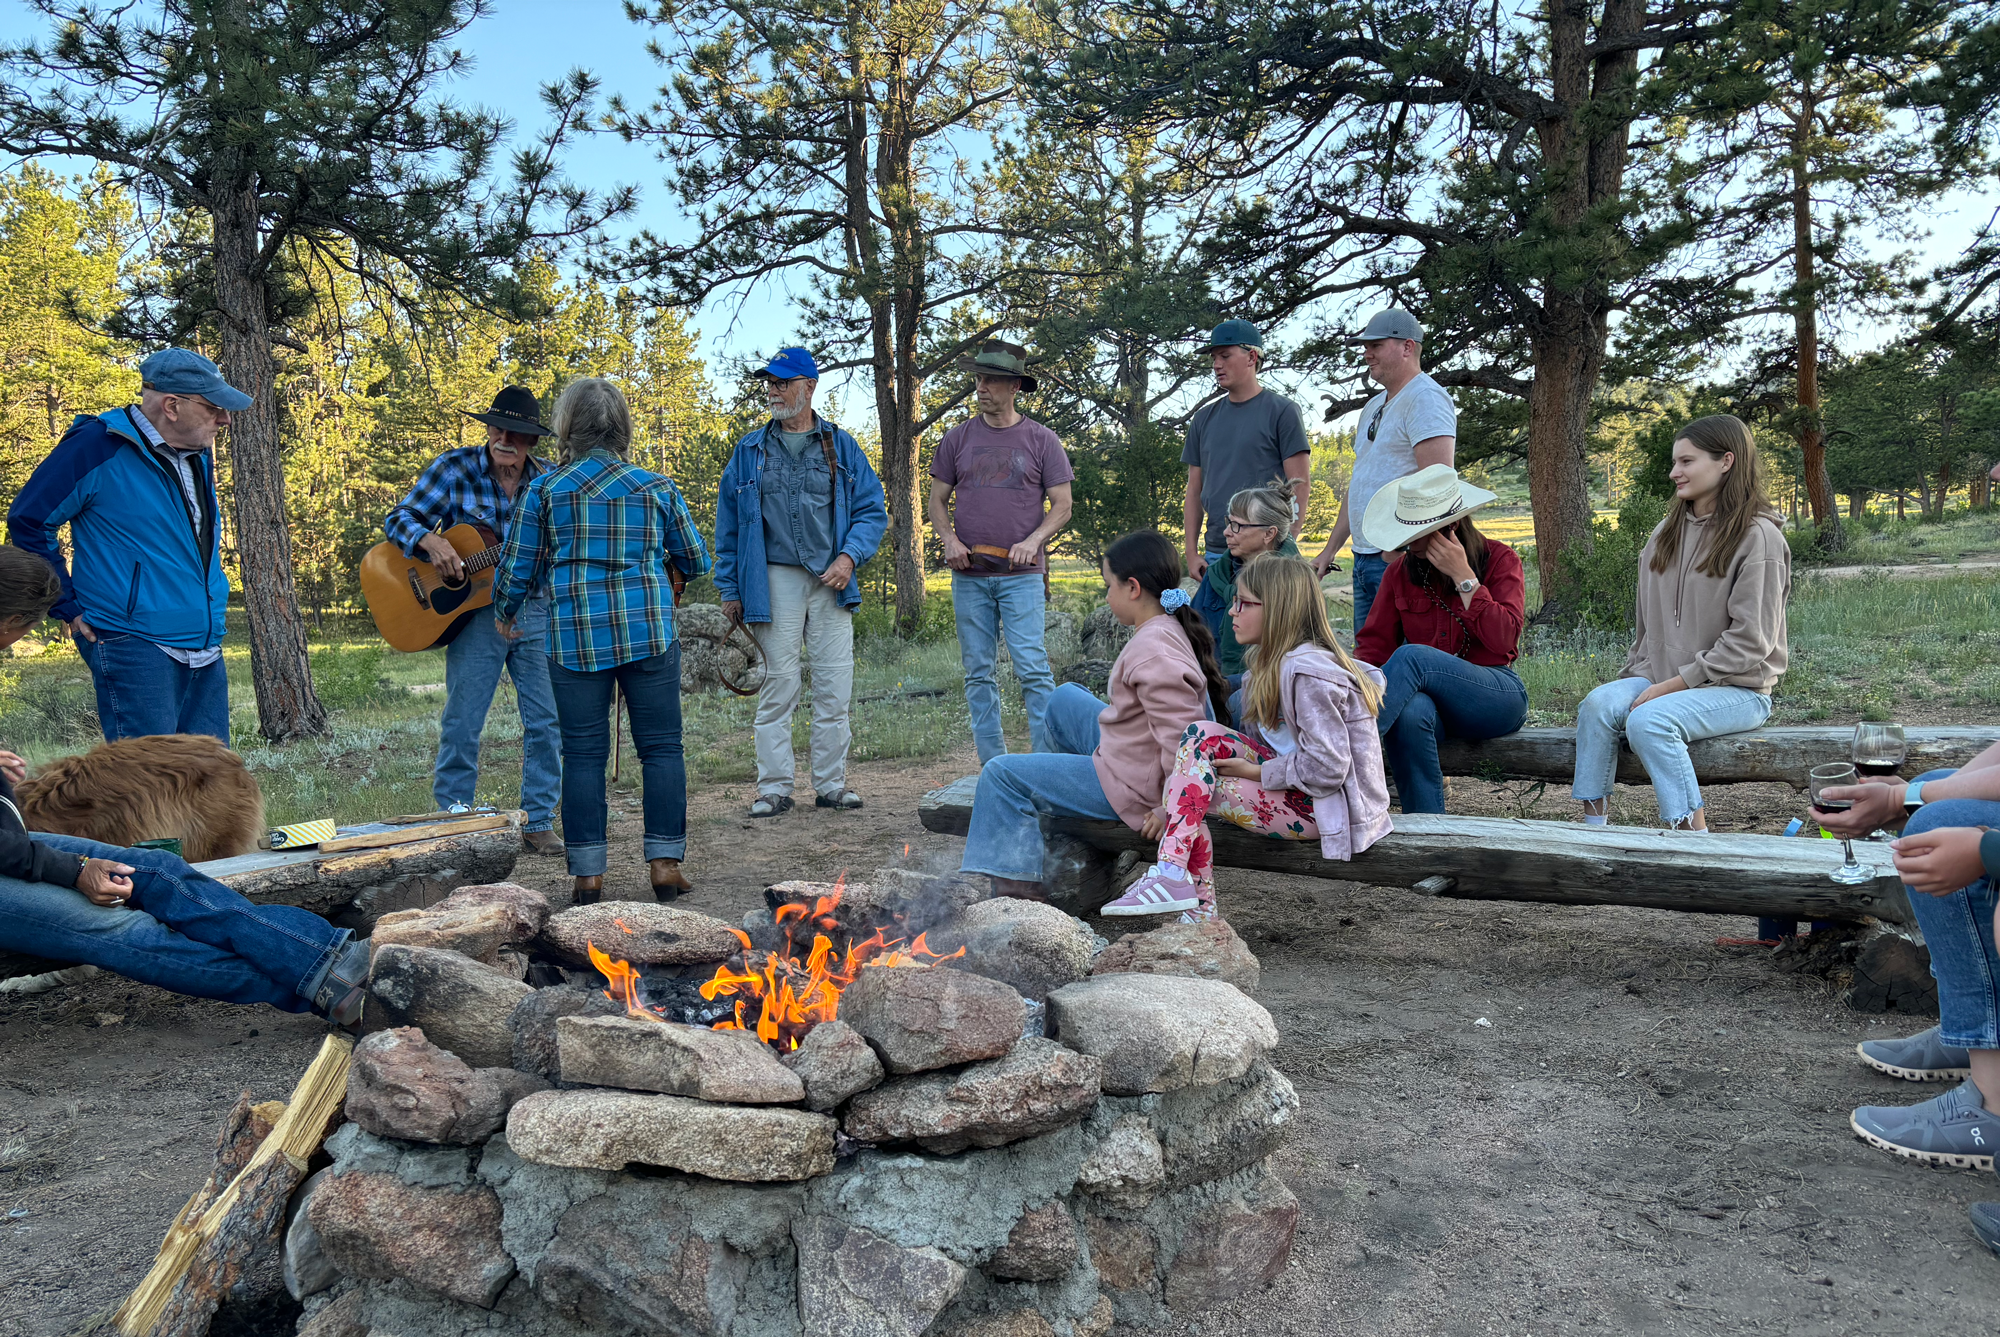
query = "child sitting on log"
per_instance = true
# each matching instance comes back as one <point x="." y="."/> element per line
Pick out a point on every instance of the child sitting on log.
<point x="147" y="914"/>
<point x="1104" y="761"/>
<point x="1314" y="770"/>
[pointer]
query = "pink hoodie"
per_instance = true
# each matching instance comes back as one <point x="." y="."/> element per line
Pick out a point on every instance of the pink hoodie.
<point x="1156" y="691"/>
<point x="1339" y="761"/>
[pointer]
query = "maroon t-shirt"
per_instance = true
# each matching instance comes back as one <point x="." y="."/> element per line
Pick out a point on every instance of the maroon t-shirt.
<point x="998" y="476"/>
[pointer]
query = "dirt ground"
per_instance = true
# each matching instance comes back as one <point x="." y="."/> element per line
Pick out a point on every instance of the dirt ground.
<point x="1649" y="1136"/>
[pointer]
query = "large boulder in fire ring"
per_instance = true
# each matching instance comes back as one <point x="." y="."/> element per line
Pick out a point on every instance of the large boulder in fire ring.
<point x="445" y="1240"/>
<point x="457" y="1003"/>
<point x="854" y="1283"/>
<point x="1032" y="946"/>
<point x="645" y="935"/>
<point x="1161" y="1032"/>
<point x="609" y="1130"/>
<point x="834" y="1062"/>
<point x="1036" y="1089"/>
<point x="401" y="1085"/>
<point x="920" y="1018"/>
<point x="1209" y="951"/>
<point x="472" y="921"/>
<point x="730" y="1067"/>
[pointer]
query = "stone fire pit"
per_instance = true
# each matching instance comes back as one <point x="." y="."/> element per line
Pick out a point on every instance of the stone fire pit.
<point x="1005" y="1145"/>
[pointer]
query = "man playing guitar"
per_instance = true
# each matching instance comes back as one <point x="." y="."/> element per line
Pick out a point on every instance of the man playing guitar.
<point x="479" y="485"/>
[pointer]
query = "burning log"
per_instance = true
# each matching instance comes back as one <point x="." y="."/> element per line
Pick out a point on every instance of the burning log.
<point x="217" y="1232"/>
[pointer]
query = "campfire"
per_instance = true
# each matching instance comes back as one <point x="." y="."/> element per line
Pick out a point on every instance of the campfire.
<point x="791" y="996"/>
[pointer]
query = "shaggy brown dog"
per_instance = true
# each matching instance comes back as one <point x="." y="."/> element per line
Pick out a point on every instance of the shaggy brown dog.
<point x="151" y="788"/>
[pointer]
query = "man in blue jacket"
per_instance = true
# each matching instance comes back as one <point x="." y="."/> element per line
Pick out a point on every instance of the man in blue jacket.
<point x="145" y="595"/>
<point x="800" y="509"/>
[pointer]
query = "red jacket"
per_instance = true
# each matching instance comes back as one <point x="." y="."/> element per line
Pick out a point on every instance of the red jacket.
<point x="1403" y="613"/>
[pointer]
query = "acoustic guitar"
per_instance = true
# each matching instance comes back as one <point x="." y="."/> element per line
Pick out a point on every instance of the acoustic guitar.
<point x="415" y="608"/>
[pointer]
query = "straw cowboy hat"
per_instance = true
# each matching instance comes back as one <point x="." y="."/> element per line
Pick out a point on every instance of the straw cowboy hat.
<point x="1423" y="503"/>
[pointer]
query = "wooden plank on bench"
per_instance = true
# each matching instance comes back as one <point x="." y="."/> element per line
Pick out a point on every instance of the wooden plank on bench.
<point x="1504" y="858"/>
<point x="1782" y="754"/>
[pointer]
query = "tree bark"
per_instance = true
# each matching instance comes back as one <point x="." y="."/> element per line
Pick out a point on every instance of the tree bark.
<point x="1805" y="320"/>
<point x="896" y="188"/>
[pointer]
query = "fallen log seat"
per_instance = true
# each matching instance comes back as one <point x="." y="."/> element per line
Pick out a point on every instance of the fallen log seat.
<point x="1509" y="859"/>
<point x="1782" y="754"/>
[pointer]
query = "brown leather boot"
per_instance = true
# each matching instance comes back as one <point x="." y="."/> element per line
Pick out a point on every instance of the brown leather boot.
<point x="588" y="891"/>
<point x="668" y="879"/>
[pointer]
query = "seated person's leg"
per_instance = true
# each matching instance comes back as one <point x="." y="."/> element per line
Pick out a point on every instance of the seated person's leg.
<point x="1004" y="837"/>
<point x="1962" y="1126"/>
<point x="1411" y="751"/>
<point x="1600" y="719"/>
<point x="1661" y="730"/>
<point x="292" y="947"/>
<point x="1070" y="722"/>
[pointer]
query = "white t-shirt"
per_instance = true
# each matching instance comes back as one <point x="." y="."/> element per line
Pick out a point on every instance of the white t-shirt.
<point x="1420" y="411"/>
<point x="1281" y="738"/>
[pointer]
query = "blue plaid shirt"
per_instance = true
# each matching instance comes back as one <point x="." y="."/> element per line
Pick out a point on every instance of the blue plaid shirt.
<point x="457" y="488"/>
<point x="599" y="534"/>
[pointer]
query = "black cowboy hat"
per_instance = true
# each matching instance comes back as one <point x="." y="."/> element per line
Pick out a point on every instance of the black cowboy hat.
<point x="515" y="409"/>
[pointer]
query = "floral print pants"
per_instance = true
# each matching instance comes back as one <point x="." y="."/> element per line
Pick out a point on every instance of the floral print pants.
<point x="1195" y="792"/>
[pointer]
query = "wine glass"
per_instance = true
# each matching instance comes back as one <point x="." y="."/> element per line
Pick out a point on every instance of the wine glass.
<point x="1836" y="775"/>
<point x="1879" y="749"/>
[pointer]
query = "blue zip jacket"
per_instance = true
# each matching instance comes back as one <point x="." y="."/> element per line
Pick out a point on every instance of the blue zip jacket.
<point x="859" y="519"/>
<point x="139" y="568"/>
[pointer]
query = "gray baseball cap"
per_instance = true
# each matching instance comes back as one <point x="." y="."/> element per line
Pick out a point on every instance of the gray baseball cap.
<point x="1390" y="324"/>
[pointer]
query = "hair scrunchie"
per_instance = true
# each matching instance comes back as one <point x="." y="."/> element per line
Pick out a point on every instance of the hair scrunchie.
<point x="1174" y="598"/>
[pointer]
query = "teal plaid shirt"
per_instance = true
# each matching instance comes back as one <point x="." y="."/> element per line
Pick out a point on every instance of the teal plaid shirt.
<point x="600" y="533"/>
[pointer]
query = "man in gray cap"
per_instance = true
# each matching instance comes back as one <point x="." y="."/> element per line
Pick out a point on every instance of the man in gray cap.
<point x="1411" y="425"/>
<point x="1245" y="439"/>
<point x="144" y="592"/>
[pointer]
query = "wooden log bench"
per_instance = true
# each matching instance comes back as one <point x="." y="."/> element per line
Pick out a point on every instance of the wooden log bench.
<point x="1781" y="754"/>
<point x="352" y="889"/>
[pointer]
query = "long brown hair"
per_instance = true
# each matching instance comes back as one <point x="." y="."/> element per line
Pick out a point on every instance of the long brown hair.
<point x="1420" y="571"/>
<point x="1738" y="505"/>
<point x="1146" y="556"/>
<point x="1294" y="615"/>
<point x="29" y="586"/>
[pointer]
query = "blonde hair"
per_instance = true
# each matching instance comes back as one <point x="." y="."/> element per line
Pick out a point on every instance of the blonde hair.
<point x="592" y="415"/>
<point x="1738" y="505"/>
<point x="1269" y="504"/>
<point x="1294" y="615"/>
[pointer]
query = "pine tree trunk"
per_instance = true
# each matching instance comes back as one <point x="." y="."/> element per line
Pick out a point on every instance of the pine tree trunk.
<point x="1805" y="319"/>
<point x="1558" y="428"/>
<point x="1857" y="503"/>
<point x="896" y="188"/>
<point x="287" y="706"/>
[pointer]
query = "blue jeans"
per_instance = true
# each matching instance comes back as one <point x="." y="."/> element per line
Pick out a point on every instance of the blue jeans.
<point x="1005" y="835"/>
<point x="1958" y="929"/>
<point x="141" y="689"/>
<point x="985" y="606"/>
<point x="472" y="665"/>
<point x="1658" y="733"/>
<point x="1239" y="690"/>
<point x="1207" y="602"/>
<point x="583" y="705"/>
<point x="184" y="931"/>
<point x="1368" y="571"/>
<point x="1432" y="694"/>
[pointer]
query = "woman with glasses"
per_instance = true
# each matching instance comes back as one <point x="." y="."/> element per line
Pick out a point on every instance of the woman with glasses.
<point x="1260" y="521"/>
<point x="1445" y="627"/>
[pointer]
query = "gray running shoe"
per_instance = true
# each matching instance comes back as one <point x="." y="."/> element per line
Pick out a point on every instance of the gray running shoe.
<point x="1986" y="1224"/>
<point x="1917" y="1058"/>
<point x="1952" y="1129"/>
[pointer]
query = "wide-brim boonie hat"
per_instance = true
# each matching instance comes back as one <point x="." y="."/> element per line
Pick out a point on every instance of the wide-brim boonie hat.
<point x="997" y="357"/>
<point x="1422" y="503"/>
<point x="515" y="409"/>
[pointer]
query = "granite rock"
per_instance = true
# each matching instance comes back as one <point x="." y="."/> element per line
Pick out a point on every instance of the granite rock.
<point x="1038" y="1087"/>
<point x="459" y="1004"/>
<point x="1044" y="1245"/>
<point x="401" y="1085"/>
<point x="444" y="1240"/>
<point x="1207" y="1132"/>
<point x="621" y="1263"/>
<point x="1125" y="1167"/>
<point x="1012" y="1323"/>
<point x="608" y="1130"/>
<point x="473" y="921"/>
<point x="920" y="1018"/>
<point x="835" y="1063"/>
<point x="1209" y="951"/>
<point x="1032" y="946"/>
<point x="1124" y="1253"/>
<point x="645" y="935"/>
<point x="1161" y="1032"/>
<point x="853" y="1283"/>
<point x="1238" y="1246"/>
<point x="732" y="1067"/>
<point x="903" y="902"/>
<point x="533" y="1023"/>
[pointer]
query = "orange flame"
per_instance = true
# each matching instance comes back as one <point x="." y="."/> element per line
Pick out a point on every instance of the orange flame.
<point x="624" y="982"/>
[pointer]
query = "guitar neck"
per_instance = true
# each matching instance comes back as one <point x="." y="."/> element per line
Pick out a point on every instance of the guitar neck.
<point x="479" y="561"/>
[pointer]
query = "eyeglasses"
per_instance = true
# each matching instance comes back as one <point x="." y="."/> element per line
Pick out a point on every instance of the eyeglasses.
<point x="1242" y="603"/>
<point x="1235" y="526"/>
<point x="1378" y="420"/>
<point x="215" y="411"/>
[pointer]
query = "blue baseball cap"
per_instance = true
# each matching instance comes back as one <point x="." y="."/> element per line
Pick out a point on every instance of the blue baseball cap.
<point x="789" y="363"/>
<point x="176" y="371"/>
<point x="1234" y="334"/>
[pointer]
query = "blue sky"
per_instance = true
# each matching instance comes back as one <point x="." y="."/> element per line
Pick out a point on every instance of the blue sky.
<point x="527" y="42"/>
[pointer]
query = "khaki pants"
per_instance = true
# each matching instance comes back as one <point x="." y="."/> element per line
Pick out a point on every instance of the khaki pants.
<point x="804" y="614"/>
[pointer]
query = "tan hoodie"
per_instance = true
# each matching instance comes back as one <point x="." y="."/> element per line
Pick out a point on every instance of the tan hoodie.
<point x="1727" y="632"/>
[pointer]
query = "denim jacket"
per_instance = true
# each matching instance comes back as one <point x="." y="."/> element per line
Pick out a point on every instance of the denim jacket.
<point x="860" y="518"/>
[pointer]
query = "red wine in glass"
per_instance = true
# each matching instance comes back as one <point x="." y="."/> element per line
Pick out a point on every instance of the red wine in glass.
<point x="1877" y="767"/>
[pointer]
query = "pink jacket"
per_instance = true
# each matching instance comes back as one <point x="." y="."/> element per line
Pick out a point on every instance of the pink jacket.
<point x="1339" y="761"/>
<point x="1156" y="691"/>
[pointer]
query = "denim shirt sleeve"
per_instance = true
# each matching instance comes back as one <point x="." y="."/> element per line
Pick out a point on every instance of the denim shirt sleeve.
<point x="726" y="522"/>
<point x="867" y="516"/>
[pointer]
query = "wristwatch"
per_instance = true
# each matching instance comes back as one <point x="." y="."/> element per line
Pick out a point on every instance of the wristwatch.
<point x="1913" y="797"/>
<point x="1468" y="585"/>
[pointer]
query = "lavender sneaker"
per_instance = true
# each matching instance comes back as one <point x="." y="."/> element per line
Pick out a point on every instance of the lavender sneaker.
<point x="1155" y="894"/>
<point x="1917" y="1058"/>
<point x="1953" y="1129"/>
